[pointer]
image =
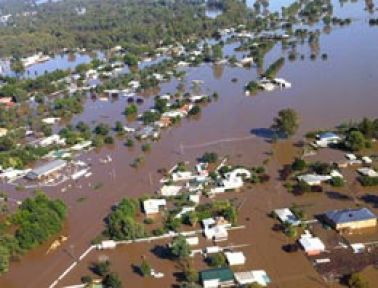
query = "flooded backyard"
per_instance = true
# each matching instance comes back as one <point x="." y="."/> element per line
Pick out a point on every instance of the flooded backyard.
<point x="325" y="93"/>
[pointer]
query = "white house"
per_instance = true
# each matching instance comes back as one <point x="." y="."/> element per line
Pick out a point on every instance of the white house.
<point x="235" y="258"/>
<point x="54" y="139"/>
<point x="215" y="229"/>
<point x="249" y="277"/>
<point x="327" y="138"/>
<point x="314" y="179"/>
<point x="286" y="216"/>
<point x="364" y="171"/>
<point x="311" y="245"/>
<point x="153" y="206"/>
<point x="170" y="190"/>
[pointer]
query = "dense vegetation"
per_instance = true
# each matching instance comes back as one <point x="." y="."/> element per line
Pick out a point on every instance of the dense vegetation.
<point x="138" y="25"/>
<point x="36" y="221"/>
<point x="121" y="223"/>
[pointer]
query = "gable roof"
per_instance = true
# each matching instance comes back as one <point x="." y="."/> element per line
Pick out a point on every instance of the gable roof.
<point x="223" y="274"/>
<point x="350" y="215"/>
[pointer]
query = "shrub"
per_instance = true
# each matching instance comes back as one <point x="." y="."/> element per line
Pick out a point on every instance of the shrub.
<point x="217" y="260"/>
<point x="337" y="181"/>
<point x="298" y="164"/>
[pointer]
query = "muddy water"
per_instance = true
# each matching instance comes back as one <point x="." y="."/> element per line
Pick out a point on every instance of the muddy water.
<point x="324" y="93"/>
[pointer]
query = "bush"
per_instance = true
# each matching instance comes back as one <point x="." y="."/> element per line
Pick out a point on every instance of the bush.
<point x="145" y="268"/>
<point x="337" y="181"/>
<point x="217" y="260"/>
<point x="86" y="279"/>
<point x="146" y="147"/>
<point x="101" y="268"/>
<point x="148" y="221"/>
<point x="129" y="143"/>
<point x="298" y="164"/>
<point x="109" y="140"/>
<point x="368" y="181"/>
<point x="209" y="157"/>
<point x="195" y="110"/>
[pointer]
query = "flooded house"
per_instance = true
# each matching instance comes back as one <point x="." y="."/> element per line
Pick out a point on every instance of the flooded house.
<point x="216" y="229"/>
<point x="153" y="206"/>
<point x="235" y="258"/>
<point x="351" y="219"/>
<point x="326" y="139"/>
<point x="314" y="179"/>
<point x="286" y="216"/>
<point x="256" y="276"/>
<point x="46" y="169"/>
<point x="311" y="245"/>
<point x="218" y="277"/>
<point x="54" y="139"/>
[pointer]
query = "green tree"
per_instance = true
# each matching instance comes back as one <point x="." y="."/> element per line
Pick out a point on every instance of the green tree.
<point x="131" y="109"/>
<point x="145" y="268"/>
<point x="298" y="164"/>
<point x="4" y="259"/>
<point x="112" y="280"/>
<point x="180" y="248"/>
<point x="356" y="281"/>
<point x="17" y="66"/>
<point x="217" y="260"/>
<point x="101" y="268"/>
<point x="287" y="122"/>
<point x="355" y="141"/>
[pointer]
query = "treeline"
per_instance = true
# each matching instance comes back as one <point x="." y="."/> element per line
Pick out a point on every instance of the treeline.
<point x="106" y="24"/>
<point x="273" y="69"/>
<point x="35" y="222"/>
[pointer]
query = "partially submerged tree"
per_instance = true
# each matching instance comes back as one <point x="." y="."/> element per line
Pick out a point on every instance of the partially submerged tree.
<point x="287" y="122"/>
<point x="180" y="248"/>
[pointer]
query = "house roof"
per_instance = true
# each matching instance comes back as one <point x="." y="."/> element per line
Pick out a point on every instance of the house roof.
<point x="235" y="258"/>
<point x="327" y="135"/>
<point x="285" y="215"/>
<point x="223" y="274"/>
<point x="48" y="168"/>
<point x="256" y="276"/>
<point x="311" y="244"/>
<point x="350" y="215"/>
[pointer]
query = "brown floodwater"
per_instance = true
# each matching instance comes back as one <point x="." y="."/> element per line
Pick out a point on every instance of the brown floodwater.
<point x="325" y="93"/>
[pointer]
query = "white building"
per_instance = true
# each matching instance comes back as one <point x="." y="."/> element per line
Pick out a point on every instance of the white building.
<point x="286" y="216"/>
<point x="153" y="206"/>
<point x="170" y="190"/>
<point x="314" y="179"/>
<point x="311" y="245"/>
<point x="235" y="258"/>
<point x="257" y="276"/>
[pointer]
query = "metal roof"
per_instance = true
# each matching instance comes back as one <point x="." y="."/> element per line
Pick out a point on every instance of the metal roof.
<point x="223" y="274"/>
<point x="48" y="168"/>
<point x="350" y="215"/>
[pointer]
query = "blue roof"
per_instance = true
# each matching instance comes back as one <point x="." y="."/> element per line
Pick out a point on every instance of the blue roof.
<point x="350" y="215"/>
<point x="327" y="135"/>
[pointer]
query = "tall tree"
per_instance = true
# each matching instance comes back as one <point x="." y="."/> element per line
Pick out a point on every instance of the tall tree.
<point x="287" y="122"/>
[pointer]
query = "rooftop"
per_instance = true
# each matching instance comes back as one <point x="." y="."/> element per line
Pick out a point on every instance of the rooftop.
<point x="223" y="274"/>
<point x="350" y="215"/>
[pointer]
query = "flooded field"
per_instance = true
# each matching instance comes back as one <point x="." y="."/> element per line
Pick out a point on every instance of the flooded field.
<point x="325" y="93"/>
